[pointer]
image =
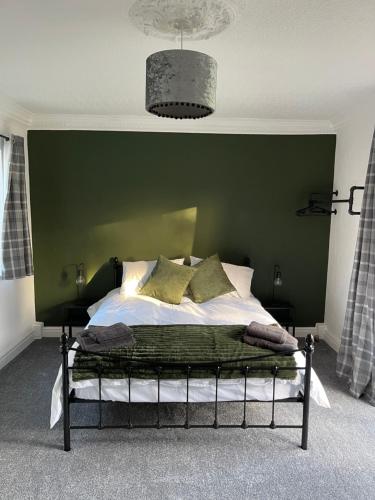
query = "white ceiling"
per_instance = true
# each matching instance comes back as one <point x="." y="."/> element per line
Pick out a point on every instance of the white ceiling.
<point x="282" y="59"/>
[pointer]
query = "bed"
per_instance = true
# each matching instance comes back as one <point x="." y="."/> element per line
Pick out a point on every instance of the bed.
<point x="235" y="374"/>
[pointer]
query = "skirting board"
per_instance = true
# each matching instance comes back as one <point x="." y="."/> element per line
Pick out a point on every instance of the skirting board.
<point x="327" y="336"/>
<point x="36" y="333"/>
<point x="56" y="331"/>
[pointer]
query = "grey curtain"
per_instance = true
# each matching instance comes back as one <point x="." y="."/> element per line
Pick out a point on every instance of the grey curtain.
<point x="356" y="358"/>
<point x="16" y="243"/>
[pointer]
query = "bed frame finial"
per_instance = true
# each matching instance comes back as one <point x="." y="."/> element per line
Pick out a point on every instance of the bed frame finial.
<point x="309" y="343"/>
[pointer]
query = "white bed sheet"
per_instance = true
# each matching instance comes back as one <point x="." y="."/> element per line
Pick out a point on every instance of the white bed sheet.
<point x="142" y="310"/>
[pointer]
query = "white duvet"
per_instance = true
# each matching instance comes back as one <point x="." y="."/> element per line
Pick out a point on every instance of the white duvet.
<point x="142" y="310"/>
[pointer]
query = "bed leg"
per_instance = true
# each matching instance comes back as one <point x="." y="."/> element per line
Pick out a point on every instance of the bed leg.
<point x="309" y="349"/>
<point x="65" y="380"/>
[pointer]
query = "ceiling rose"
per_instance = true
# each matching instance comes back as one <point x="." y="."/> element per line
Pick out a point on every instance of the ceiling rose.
<point x="196" y="19"/>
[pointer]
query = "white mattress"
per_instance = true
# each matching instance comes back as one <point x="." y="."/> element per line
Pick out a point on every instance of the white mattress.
<point x="227" y="309"/>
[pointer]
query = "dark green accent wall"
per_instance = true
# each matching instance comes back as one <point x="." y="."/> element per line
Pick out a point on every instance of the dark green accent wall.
<point x="136" y="195"/>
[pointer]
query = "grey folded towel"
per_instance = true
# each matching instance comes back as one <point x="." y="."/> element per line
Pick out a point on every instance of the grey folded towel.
<point x="105" y="338"/>
<point x="289" y="345"/>
<point x="273" y="333"/>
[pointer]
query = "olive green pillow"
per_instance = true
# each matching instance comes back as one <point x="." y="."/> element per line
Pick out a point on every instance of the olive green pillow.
<point x="168" y="281"/>
<point x="210" y="280"/>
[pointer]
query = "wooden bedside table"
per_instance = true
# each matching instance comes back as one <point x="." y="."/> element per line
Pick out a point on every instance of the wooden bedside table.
<point x="283" y="312"/>
<point x="75" y="314"/>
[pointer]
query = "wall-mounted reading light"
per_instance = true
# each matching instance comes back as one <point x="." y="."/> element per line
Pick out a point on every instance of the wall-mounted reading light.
<point x="80" y="280"/>
<point x="277" y="280"/>
<point x="80" y="277"/>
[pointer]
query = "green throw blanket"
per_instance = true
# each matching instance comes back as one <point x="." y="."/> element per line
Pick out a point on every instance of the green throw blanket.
<point x="184" y="344"/>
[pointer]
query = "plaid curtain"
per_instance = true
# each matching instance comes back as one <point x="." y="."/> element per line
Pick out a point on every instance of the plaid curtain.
<point x="356" y="358"/>
<point x="16" y="242"/>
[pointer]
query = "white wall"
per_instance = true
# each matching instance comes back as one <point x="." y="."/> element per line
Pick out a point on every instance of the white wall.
<point x="354" y="135"/>
<point x="17" y="306"/>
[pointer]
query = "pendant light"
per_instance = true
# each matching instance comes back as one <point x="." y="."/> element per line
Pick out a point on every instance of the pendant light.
<point x="180" y="83"/>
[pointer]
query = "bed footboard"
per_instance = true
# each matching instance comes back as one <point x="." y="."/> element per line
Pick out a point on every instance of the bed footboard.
<point x="218" y="368"/>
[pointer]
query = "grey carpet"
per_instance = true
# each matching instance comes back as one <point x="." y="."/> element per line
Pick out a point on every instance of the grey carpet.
<point x="179" y="464"/>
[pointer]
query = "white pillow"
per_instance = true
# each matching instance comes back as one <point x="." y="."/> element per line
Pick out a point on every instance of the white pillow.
<point x="239" y="276"/>
<point x="135" y="275"/>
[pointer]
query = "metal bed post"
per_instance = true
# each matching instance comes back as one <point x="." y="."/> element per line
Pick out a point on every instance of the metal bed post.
<point x="309" y="349"/>
<point x="245" y="372"/>
<point x="100" y="424"/>
<point x="64" y="347"/>
<point x="218" y="369"/>
<point x="130" y="425"/>
<point x="158" y="371"/>
<point x="275" y="370"/>
<point x="187" y="424"/>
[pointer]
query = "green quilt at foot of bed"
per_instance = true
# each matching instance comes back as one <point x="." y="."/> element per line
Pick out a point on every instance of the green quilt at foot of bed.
<point x="180" y="344"/>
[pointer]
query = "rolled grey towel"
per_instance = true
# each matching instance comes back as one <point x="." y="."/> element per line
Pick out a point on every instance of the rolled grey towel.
<point x="290" y="345"/>
<point x="273" y="333"/>
<point x="105" y="338"/>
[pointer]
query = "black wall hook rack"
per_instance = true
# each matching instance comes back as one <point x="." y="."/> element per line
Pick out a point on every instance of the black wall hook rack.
<point x="320" y="204"/>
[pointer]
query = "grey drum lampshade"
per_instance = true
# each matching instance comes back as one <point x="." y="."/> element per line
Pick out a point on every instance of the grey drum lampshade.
<point x="180" y="84"/>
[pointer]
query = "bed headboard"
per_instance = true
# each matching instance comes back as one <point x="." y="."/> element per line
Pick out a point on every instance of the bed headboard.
<point x="117" y="270"/>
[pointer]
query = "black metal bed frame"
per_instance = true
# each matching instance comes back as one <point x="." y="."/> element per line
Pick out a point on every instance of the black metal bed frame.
<point x="217" y="367"/>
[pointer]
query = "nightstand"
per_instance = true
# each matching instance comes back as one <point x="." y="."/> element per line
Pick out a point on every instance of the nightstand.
<point x="283" y="312"/>
<point x="75" y="314"/>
